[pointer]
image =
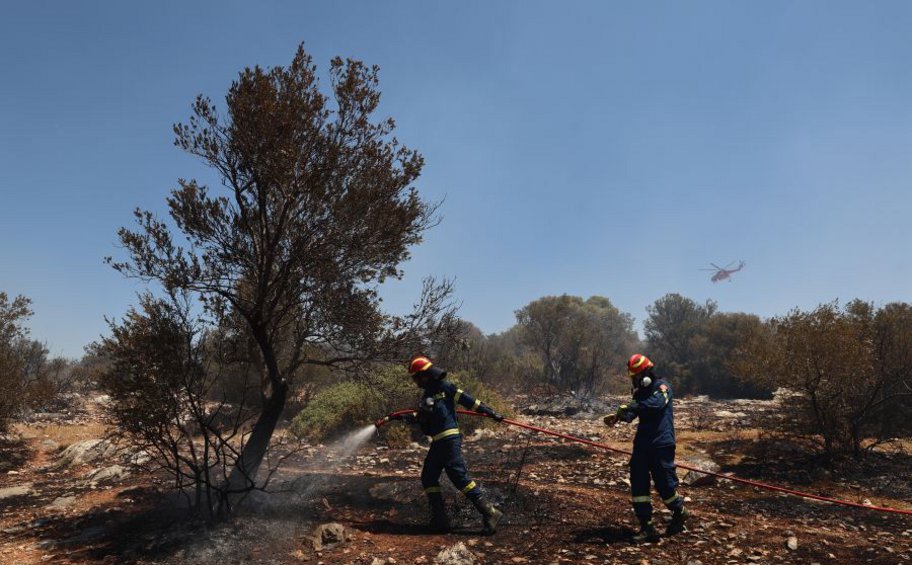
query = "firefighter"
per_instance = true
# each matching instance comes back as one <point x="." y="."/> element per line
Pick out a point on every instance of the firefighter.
<point x="653" y="448"/>
<point x="436" y="416"/>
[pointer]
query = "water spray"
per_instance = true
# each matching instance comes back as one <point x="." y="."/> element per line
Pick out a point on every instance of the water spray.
<point x="399" y="413"/>
<point x="351" y="442"/>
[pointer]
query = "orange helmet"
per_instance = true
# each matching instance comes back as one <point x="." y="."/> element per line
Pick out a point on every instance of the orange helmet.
<point x="422" y="364"/>
<point x="637" y="364"/>
<point x="418" y="364"/>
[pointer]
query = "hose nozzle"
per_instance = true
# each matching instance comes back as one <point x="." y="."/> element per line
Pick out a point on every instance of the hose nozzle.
<point x="382" y="421"/>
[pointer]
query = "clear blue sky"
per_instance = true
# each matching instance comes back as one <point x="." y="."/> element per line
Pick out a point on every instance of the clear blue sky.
<point x="588" y="148"/>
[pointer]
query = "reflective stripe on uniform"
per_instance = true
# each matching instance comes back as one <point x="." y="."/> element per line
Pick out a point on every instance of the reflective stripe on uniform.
<point x="637" y="499"/>
<point x="446" y="433"/>
<point x="459" y="392"/>
<point x="439" y="396"/>
<point x="469" y="487"/>
<point x="429" y="490"/>
<point x="476" y="405"/>
<point x="671" y="498"/>
<point x="664" y="392"/>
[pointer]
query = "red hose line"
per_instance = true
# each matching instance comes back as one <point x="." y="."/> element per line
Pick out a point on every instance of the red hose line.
<point x="689" y="468"/>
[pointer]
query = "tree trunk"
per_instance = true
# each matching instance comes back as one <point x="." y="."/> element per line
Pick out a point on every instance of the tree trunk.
<point x="243" y="475"/>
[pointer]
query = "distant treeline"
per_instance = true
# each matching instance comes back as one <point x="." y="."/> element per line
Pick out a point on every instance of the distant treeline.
<point x="30" y="379"/>
<point x="848" y="368"/>
<point x="573" y="345"/>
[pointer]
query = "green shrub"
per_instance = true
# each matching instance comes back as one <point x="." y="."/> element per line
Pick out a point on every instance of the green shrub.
<point x="349" y="405"/>
<point x="339" y="408"/>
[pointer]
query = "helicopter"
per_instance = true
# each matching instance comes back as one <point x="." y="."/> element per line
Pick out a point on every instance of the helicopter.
<point x="722" y="273"/>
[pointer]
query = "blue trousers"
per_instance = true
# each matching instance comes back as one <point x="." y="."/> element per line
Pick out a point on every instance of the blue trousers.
<point x="446" y="455"/>
<point x="657" y="462"/>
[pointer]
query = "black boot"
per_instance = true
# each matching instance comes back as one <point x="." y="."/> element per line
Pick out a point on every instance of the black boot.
<point x="676" y="526"/>
<point x="647" y="534"/>
<point x="490" y="515"/>
<point x="439" y="522"/>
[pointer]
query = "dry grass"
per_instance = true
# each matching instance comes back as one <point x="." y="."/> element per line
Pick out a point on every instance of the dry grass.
<point x="64" y="434"/>
<point x="694" y="436"/>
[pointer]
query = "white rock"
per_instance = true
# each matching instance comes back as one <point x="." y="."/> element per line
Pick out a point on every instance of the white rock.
<point x="112" y="473"/>
<point x="12" y="492"/>
<point x="49" y="445"/>
<point x="457" y="554"/>
<point x="62" y="502"/>
<point x="331" y="534"/>
<point x="86" y="452"/>
<point x="139" y="458"/>
<point x="695" y="478"/>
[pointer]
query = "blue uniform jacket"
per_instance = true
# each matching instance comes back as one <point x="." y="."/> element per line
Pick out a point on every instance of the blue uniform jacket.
<point x="653" y="406"/>
<point x="436" y="412"/>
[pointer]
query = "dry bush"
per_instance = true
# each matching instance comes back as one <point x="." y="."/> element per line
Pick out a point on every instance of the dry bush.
<point x="12" y="379"/>
<point x="29" y="380"/>
<point x="162" y="378"/>
<point x="844" y="388"/>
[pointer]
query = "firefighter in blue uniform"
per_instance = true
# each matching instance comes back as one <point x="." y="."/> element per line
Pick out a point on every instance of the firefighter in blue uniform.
<point x="436" y="415"/>
<point x="653" y="448"/>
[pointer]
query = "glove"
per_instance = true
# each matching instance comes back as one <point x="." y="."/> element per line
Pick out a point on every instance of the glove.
<point x="610" y="420"/>
<point x="488" y="411"/>
<point x="625" y="412"/>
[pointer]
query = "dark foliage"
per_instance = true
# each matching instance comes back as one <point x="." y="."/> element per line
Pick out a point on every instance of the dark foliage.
<point x="316" y="209"/>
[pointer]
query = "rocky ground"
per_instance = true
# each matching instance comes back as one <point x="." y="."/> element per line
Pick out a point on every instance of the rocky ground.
<point x="66" y="497"/>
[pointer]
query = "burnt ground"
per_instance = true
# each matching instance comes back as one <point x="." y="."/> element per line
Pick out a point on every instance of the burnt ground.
<point x="564" y="503"/>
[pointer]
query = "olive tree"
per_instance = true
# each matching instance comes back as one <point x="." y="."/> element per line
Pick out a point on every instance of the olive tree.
<point x="316" y="207"/>
<point x="672" y="331"/>
<point x="578" y="342"/>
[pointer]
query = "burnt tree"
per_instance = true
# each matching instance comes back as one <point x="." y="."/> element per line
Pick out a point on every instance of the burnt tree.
<point x="316" y="208"/>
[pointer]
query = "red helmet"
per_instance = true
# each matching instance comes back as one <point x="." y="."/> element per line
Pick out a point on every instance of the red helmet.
<point x="422" y="364"/>
<point x="637" y="364"/>
<point x="418" y="364"/>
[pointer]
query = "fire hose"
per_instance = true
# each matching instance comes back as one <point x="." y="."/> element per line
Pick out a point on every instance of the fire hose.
<point x="728" y="477"/>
